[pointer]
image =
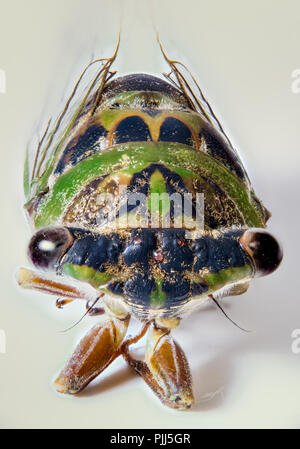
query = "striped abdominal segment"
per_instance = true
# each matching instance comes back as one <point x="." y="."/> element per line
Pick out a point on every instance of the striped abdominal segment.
<point x="142" y="168"/>
<point x="126" y="123"/>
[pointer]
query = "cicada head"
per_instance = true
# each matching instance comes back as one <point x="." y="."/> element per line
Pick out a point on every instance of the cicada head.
<point x="156" y="272"/>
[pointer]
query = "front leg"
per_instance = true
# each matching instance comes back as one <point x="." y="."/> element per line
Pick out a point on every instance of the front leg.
<point x="93" y="354"/>
<point x="165" y="369"/>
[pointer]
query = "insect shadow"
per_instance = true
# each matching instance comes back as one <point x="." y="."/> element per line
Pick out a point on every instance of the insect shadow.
<point x="112" y="380"/>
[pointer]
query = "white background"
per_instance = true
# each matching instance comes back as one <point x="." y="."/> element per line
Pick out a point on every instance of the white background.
<point x="243" y="53"/>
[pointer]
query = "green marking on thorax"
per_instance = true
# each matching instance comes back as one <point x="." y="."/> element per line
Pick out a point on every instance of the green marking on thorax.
<point x="86" y="274"/>
<point x="215" y="281"/>
<point x="136" y="156"/>
<point x="157" y="297"/>
<point x="158" y="205"/>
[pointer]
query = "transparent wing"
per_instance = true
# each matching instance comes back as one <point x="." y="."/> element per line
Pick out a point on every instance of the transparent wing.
<point x="182" y="78"/>
<point x="84" y="99"/>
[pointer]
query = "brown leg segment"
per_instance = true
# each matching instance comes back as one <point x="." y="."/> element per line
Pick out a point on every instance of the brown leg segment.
<point x="93" y="354"/>
<point x="165" y="369"/>
<point x="93" y="311"/>
<point x="61" y="302"/>
<point x="30" y="280"/>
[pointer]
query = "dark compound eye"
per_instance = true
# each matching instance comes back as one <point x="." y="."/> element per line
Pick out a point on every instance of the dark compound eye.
<point x="48" y="245"/>
<point x="264" y="249"/>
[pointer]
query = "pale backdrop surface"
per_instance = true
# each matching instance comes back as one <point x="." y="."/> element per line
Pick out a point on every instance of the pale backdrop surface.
<point x="243" y="54"/>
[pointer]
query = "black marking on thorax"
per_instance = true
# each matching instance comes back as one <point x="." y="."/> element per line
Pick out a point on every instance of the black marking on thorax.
<point x="81" y="147"/>
<point x="131" y="129"/>
<point x="174" y="130"/>
<point x="220" y="150"/>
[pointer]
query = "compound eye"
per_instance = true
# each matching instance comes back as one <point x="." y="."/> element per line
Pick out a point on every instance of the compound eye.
<point x="48" y="245"/>
<point x="264" y="249"/>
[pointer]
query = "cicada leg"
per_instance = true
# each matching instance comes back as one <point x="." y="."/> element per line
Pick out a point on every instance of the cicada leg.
<point x="92" y="311"/>
<point x="34" y="281"/>
<point x="93" y="354"/>
<point x="165" y="369"/>
<point x="61" y="302"/>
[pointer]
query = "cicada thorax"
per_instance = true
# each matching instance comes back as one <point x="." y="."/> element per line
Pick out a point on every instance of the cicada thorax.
<point x="142" y="140"/>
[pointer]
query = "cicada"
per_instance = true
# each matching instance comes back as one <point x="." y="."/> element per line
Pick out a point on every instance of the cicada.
<point x="112" y="195"/>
